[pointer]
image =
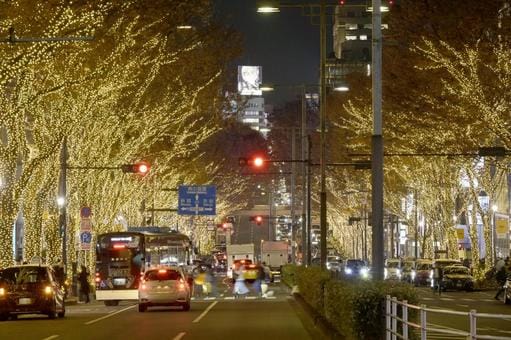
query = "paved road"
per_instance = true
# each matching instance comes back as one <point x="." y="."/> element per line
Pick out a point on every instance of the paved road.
<point x="224" y="317"/>
<point x="482" y="302"/>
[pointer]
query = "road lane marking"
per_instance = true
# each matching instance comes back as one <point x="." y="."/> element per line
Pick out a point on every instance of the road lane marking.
<point x="464" y="306"/>
<point x="179" y="336"/>
<point x="229" y="298"/>
<point x="109" y="315"/>
<point x="51" y="337"/>
<point x="203" y="314"/>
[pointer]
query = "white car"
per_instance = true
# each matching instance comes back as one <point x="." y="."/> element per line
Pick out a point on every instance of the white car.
<point x="164" y="287"/>
<point x="393" y="269"/>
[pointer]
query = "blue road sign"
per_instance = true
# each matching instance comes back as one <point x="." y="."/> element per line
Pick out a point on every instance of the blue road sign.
<point x="85" y="237"/>
<point x="197" y="200"/>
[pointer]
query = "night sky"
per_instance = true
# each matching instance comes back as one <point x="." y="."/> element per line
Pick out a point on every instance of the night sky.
<point x="285" y="44"/>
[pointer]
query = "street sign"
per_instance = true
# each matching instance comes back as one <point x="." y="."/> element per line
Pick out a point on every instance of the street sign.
<point x="85" y="240"/>
<point x="197" y="200"/>
<point x="85" y="224"/>
<point x="85" y="212"/>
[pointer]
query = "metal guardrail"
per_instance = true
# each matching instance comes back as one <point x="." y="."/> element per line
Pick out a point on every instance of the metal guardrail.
<point x="392" y="318"/>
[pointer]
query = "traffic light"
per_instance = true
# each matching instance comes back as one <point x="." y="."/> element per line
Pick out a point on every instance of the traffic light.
<point x="257" y="161"/>
<point x="258" y="219"/>
<point x="141" y="168"/>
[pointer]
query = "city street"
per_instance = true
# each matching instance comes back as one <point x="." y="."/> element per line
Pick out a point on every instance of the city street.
<point x="246" y="317"/>
<point x="481" y="301"/>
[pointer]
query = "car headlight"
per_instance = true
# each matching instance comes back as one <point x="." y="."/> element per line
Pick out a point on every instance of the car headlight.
<point x="413" y="274"/>
<point x="348" y="271"/>
<point x="364" y="272"/>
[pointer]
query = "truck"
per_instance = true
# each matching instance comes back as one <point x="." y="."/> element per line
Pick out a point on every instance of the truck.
<point x="274" y="254"/>
<point x="238" y="252"/>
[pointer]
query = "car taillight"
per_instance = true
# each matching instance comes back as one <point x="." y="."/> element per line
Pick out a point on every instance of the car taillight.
<point x="48" y="290"/>
<point x="2" y="291"/>
<point x="162" y="271"/>
<point x="181" y="286"/>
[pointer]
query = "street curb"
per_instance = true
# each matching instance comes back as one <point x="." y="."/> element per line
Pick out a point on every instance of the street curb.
<point x="322" y="325"/>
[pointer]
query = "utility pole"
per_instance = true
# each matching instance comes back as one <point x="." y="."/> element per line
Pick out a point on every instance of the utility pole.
<point x="309" y="217"/>
<point x="293" y="174"/>
<point x="322" y="108"/>
<point x="377" y="146"/>
<point x="304" y="178"/>
<point x="63" y="201"/>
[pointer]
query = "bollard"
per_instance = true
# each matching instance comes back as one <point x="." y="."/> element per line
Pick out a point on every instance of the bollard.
<point x="473" y="324"/>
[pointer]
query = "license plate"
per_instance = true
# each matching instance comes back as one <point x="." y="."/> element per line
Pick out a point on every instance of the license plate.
<point x="119" y="282"/>
<point x="25" y="301"/>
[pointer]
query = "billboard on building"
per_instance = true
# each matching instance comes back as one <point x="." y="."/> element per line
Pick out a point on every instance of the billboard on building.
<point x="249" y="79"/>
<point x="255" y="104"/>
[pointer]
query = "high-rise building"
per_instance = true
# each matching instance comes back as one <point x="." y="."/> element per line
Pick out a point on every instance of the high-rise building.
<point x="352" y="34"/>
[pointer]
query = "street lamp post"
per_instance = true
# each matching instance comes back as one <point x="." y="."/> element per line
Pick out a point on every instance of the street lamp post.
<point x="377" y="146"/>
<point x="322" y="114"/>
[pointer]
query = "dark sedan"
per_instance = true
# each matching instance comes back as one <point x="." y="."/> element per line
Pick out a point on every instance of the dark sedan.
<point x="457" y="277"/>
<point x="30" y="289"/>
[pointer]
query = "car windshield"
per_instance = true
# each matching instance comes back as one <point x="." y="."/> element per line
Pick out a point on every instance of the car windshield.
<point x="162" y="275"/>
<point x="408" y="265"/>
<point x="355" y="263"/>
<point x="23" y="275"/>
<point x="457" y="270"/>
<point x="392" y="264"/>
<point x="424" y="266"/>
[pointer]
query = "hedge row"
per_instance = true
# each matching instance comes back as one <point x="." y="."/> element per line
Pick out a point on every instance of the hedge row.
<point x="355" y="309"/>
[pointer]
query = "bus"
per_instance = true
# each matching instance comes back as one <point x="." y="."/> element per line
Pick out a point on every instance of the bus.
<point x="121" y="258"/>
<point x="167" y="249"/>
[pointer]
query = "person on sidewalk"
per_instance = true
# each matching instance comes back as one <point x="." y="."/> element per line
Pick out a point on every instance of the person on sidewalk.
<point x="83" y="278"/>
<point x="501" y="278"/>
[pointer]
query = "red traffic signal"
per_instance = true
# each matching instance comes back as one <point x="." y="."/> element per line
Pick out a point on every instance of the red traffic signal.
<point x="258" y="219"/>
<point x="141" y="168"/>
<point x="256" y="161"/>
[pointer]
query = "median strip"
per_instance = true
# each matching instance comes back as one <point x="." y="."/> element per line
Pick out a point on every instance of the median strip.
<point x="203" y="314"/>
<point x="109" y="315"/>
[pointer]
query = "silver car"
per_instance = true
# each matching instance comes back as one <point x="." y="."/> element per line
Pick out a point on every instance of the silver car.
<point x="164" y="287"/>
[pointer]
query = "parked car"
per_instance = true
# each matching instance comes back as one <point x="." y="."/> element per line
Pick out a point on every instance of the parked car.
<point x="408" y="271"/>
<point x="423" y="272"/>
<point x="356" y="268"/>
<point x="457" y="277"/>
<point x="30" y="289"/>
<point x="392" y="269"/>
<point x="164" y="287"/>
<point x="438" y="267"/>
<point x="333" y="263"/>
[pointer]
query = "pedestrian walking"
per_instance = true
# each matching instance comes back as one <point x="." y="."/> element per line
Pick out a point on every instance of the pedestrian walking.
<point x="83" y="278"/>
<point x="501" y="278"/>
<point x="240" y="288"/>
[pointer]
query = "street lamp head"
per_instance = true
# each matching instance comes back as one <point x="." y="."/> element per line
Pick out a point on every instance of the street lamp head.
<point x="266" y="87"/>
<point x="268" y="9"/>
<point x="268" y="6"/>
<point x="341" y="88"/>
<point x="61" y="201"/>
